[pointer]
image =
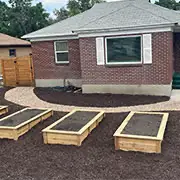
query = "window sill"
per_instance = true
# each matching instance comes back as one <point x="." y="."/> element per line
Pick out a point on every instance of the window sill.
<point x="62" y="63"/>
<point x="124" y="65"/>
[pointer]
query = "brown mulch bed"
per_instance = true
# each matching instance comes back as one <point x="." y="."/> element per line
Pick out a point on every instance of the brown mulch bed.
<point x="29" y="159"/>
<point x="95" y="100"/>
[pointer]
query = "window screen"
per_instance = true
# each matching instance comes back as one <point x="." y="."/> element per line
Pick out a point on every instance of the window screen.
<point x="124" y="50"/>
<point x="61" y="51"/>
<point x="61" y="46"/>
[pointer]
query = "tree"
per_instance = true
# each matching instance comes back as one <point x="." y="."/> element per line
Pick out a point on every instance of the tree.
<point x="75" y="7"/>
<point x="4" y="18"/>
<point x="61" y="14"/>
<point x="170" y="4"/>
<point x="25" y="18"/>
<point x="38" y="18"/>
<point x="18" y="16"/>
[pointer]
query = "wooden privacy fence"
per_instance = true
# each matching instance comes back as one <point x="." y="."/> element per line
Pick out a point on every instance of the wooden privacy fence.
<point x="18" y="71"/>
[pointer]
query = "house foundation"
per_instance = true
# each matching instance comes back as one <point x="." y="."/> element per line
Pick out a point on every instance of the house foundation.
<point x="155" y="90"/>
<point x="58" y="82"/>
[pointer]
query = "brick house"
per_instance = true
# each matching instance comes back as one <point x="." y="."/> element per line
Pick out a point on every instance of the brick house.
<point x="128" y="47"/>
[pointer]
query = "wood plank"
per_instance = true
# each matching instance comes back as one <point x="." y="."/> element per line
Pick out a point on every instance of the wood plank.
<point x="4" y="133"/>
<point x="8" y="72"/>
<point x="3" y="110"/>
<point x="163" y="126"/>
<point x="61" y="139"/>
<point x="142" y="145"/>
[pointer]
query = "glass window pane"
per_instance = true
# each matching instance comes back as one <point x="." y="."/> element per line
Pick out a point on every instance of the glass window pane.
<point x="62" y="57"/>
<point x="61" y="46"/>
<point x="124" y="50"/>
<point x="12" y="52"/>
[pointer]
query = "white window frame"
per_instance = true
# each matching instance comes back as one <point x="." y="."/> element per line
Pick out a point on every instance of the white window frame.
<point x="123" y="63"/>
<point x="55" y="52"/>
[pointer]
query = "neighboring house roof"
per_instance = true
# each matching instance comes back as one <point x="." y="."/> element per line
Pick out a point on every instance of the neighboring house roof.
<point x="6" y="40"/>
<point x="123" y="14"/>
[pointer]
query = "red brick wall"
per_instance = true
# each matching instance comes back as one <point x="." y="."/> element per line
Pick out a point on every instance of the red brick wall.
<point x="44" y="61"/>
<point x="177" y="52"/>
<point x="159" y="72"/>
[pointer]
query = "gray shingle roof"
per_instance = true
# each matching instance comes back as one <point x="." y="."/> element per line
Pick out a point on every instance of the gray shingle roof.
<point x="119" y="14"/>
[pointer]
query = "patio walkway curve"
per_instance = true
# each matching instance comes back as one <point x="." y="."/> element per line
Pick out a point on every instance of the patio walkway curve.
<point x="25" y="96"/>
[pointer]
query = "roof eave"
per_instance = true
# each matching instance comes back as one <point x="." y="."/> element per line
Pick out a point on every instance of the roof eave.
<point x="79" y="31"/>
<point x="15" y="45"/>
<point x="48" y="36"/>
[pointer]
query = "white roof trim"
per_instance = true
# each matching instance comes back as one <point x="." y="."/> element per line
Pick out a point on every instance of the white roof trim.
<point x="124" y="28"/>
<point x="47" y="35"/>
<point x="125" y="32"/>
<point x="54" y="38"/>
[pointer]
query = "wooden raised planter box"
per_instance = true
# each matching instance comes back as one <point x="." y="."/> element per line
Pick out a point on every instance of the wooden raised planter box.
<point x="141" y="131"/>
<point x="3" y="109"/>
<point x="17" y="124"/>
<point x="73" y="128"/>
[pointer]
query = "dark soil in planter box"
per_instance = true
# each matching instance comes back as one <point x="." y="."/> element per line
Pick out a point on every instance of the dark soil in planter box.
<point x="76" y="121"/>
<point x="143" y="125"/>
<point x="95" y="100"/>
<point x="20" y="117"/>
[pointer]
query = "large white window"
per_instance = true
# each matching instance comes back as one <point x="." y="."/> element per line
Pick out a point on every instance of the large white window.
<point x="61" y="52"/>
<point x="124" y="50"/>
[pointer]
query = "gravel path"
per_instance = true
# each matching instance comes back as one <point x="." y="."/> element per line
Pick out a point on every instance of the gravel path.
<point x="25" y="96"/>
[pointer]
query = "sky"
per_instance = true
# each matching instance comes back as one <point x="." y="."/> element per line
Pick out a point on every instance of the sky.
<point x="50" y="5"/>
